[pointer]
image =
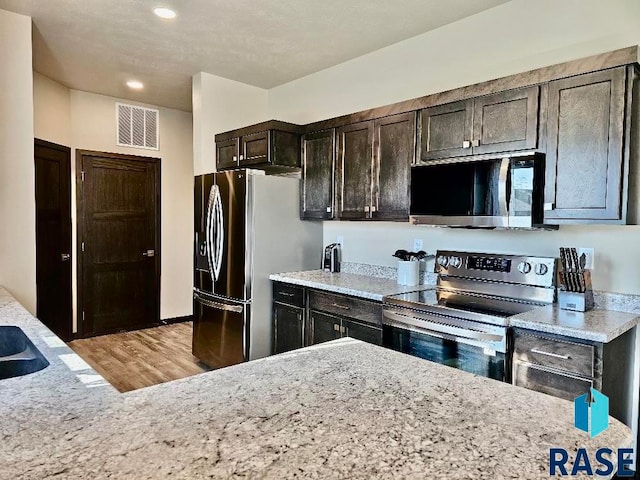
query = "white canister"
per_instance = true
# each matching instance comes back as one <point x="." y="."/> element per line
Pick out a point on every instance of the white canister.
<point x="408" y="272"/>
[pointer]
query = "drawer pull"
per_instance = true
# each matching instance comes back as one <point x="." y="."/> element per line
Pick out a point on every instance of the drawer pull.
<point x="286" y="294"/>
<point x="342" y="307"/>
<point x="549" y="354"/>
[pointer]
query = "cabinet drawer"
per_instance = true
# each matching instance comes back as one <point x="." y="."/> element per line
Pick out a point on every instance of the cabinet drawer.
<point x="572" y="357"/>
<point x="360" y="331"/>
<point x="342" y="305"/>
<point x="289" y="294"/>
<point x="552" y="383"/>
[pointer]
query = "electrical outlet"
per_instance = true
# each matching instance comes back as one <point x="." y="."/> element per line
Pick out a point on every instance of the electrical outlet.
<point x="340" y="240"/>
<point x="417" y="244"/>
<point x="589" y="252"/>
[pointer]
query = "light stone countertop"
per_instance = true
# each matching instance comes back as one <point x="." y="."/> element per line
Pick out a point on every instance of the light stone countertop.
<point x="597" y="325"/>
<point x="343" y="409"/>
<point x="364" y="286"/>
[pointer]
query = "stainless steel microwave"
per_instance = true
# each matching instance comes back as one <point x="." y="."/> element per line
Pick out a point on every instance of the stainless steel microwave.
<point x="500" y="193"/>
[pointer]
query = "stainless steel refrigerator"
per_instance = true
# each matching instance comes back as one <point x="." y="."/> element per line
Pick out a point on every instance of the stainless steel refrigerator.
<point x="247" y="226"/>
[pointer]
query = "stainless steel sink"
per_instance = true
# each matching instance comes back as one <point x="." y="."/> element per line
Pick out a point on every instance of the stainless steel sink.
<point x="18" y="355"/>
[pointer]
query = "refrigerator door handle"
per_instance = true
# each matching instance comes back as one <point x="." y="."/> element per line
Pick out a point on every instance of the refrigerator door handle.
<point x="218" y="305"/>
<point x="209" y="231"/>
<point x="219" y="232"/>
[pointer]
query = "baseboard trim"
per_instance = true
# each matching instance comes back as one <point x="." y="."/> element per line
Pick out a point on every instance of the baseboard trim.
<point x="169" y="321"/>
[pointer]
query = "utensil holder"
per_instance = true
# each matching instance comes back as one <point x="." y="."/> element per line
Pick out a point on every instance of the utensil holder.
<point x="576" y="301"/>
<point x="408" y="273"/>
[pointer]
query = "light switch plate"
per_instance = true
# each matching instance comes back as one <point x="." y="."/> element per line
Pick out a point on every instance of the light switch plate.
<point x="417" y="244"/>
<point x="590" y="253"/>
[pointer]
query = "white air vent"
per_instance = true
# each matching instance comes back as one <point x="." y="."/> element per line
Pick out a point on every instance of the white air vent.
<point x="137" y="126"/>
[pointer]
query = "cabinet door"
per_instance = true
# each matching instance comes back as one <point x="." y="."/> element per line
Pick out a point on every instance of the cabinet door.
<point x="445" y="130"/>
<point x="359" y="331"/>
<point x="506" y="121"/>
<point x="318" y="150"/>
<point x="395" y="139"/>
<point x="584" y="165"/>
<point x="255" y="149"/>
<point x="288" y="328"/>
<point x="355" y="162"/>
<point x="324" y="327"/>
<point x="227" y="153"/>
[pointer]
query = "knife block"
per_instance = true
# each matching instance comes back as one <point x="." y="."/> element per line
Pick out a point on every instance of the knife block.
<point x="576" y="301"/>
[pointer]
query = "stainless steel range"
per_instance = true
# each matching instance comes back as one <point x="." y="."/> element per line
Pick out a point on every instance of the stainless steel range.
<point x="464" y="322"/>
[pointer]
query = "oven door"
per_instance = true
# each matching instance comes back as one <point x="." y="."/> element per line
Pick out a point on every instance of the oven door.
<point x="443" y="340"/>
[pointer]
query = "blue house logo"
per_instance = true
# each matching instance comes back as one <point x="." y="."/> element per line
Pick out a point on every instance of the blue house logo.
<point x="591" y="416"/>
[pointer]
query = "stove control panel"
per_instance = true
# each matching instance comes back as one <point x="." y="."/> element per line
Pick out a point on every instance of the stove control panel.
<point x="518" y="269"/>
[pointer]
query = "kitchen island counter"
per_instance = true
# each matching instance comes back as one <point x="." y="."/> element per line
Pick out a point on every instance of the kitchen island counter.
<point x="343" y="409"/>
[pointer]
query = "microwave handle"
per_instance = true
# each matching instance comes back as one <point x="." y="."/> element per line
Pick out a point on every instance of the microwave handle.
<point x="503" y="200"/>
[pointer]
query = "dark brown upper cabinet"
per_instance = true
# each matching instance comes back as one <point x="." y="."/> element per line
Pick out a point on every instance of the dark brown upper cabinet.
<point x="269" y="145"/>
<point x="227" y="153"/>
<point x="394" y="152"/>
<point x="498" y="123"/>
<point x="355" y="170"/>
<point x="585" y="149"/>
<point x="374" y="161"/>
<point x="318" y="160"/>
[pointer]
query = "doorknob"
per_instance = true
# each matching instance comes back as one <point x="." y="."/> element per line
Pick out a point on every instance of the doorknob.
<point x="149" y="253"/>
<point x="65" y="257"/>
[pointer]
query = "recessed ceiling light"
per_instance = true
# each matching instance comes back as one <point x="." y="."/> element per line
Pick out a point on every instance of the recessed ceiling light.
<point x="164" y="12"/>
<point x="136" y="85"/>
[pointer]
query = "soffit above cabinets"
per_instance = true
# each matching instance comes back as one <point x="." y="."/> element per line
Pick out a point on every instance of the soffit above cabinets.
<point x="96" y="46"/>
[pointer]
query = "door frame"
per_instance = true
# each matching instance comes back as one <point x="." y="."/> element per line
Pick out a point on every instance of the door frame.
<point x="67" y="173"/>
<point x="80" y="222"/>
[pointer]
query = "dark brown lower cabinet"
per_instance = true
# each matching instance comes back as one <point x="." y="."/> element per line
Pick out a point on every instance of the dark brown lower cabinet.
<point x="303" y="317"/>
<point x="288" y="327"/>
<point x="567" y="368"/>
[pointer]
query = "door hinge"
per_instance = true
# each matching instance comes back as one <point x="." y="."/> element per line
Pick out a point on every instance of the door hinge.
<point x="82" y="175"/>
<point x="82" y="246"/>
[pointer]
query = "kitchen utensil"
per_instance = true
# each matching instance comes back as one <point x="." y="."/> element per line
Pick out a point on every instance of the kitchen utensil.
<point x="579" y="277"/>
<point x="402" y="255"/>
<point x="566" y="277"/>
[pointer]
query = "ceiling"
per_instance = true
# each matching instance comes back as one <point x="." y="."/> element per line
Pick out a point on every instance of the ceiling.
<point x="97" y="45"/>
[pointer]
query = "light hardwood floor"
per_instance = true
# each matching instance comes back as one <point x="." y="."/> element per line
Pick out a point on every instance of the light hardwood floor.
<point x="141" y="358"/>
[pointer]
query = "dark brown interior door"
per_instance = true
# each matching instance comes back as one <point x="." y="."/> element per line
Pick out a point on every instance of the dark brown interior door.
<point x="53" y="236"/>
<point x="119" y="242"/>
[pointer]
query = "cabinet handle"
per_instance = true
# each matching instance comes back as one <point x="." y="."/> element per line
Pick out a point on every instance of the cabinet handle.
<point x="336" y="327"/>
<point x="373" y="209"/>
<point x="299" y="316"/>
<point x="286" y="294"/>
<point x="549" y="206"/>
<point x="342" y="307"/>
<point x="366" y="209"/>
<point x="328" y="209"/>
<point x="475" y="143"/>
<point x="549" y="354"/>
<point x="235" y="158"/>
<point x="241" y="157"/>
<point x="466" y="144"/>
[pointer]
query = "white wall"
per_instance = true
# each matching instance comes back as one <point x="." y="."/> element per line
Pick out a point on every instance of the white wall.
<point x="17" y="197"/>
<point x="220" y="105"/>
<point x="87" y="121"/>
<point x="52" y="110"/>
<point x="514" y="37"/>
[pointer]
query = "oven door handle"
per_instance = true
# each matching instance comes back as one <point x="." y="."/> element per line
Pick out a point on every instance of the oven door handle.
<point x="427" y="326"/>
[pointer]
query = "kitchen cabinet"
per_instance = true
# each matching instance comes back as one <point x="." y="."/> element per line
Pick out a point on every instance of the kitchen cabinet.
<point x="288" y="317"/>
<point x="271" y="145"/>
<point x="374" y="160"/>
<point x="585" y="164"/>
<point x="394" y="153"/>
<point x="318" y="163"/>
<point x="304" y="316"/>
<point x="497" y="123"/>
<point x="567" y="368"/>
<point x="355" y="170"/>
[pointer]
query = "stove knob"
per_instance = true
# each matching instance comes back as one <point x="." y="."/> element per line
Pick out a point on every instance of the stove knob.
<point x="541" y="269"/>
<point x="443" y="261"/>
<point x="455" y="262"/>
<point x="524" y="267"/>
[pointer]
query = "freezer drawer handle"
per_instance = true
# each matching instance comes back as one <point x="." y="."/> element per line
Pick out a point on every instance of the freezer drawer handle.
<point x="218" y="305"/>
